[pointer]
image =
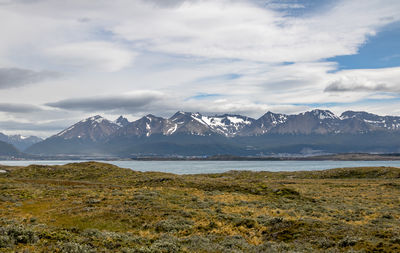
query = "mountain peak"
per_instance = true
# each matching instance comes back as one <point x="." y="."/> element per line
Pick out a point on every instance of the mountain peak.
<point x="94" y="119"/>
<point x="324" y="114"/>
<point x="274" y="118"/>
<point x="122" y="121"/>
<point x="93" y="128"/>
<point x="180" y="114"/>
<point x="19" y="141"/>
<point x="357" y="114"/>
<point x="151" y="116"/>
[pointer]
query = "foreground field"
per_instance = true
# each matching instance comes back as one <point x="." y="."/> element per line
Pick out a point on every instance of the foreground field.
<point x="96" y="207"/>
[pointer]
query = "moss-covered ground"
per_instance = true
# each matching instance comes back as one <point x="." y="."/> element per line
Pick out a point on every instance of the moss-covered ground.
<point x="97" y="207"/>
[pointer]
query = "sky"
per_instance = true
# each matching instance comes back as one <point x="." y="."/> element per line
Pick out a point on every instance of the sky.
<point x="63" y="61"/>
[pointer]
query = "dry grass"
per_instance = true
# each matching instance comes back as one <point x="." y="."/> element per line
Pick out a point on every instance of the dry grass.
<point x="96" y="207"/>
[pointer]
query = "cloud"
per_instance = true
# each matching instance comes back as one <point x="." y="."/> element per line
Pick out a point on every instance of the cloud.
<point x="166" y="3"/>
<point x="340" y="86"/>
<point x="242" y="30"/>
<point x="285" y="6"/>
<point x="32" y="126"/>
<point x="365" y="81"/>
<point x="17" y="77"/>
<point x="19" y="108"/>
<point x="29" y="128"/>
<point x="95" y="55"/>
<point x="233" y="29"/>
<point x="189" y="49"/>
<point x="203" y="96"/>
<point x="130" y="102"/>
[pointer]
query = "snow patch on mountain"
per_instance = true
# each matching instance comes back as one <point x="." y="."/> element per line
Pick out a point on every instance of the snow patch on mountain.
<point x="60" y="134"/>
<point x="94" y="128"/>
<point x="172" y="129"/>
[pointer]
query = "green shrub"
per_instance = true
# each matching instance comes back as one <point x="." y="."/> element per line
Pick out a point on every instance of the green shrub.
<point x="73" y="247"/>
<point x="201" y="244"/>
<point x="18" y="234"/>
<point x="347" y="241"/>
<point x="245" y="222"/>
<point x="173" y="224"/>
<point x="236" y="243"/>
<point x="165" y="245"/>
<point x="5" y="241"/>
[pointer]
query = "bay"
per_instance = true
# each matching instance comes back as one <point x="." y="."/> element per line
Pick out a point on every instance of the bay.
<point x="200" y="167"/>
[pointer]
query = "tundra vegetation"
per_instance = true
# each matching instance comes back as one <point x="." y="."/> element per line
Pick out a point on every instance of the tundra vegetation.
<point x="97" y="207"/>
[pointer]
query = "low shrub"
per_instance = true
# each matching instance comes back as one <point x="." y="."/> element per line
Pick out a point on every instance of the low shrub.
<point x="73" y="247"/>
<point x="15" y="234"/>
<point x="173" y="224"/>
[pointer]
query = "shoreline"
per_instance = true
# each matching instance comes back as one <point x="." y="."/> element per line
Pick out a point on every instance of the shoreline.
<point x="330" y="157"/>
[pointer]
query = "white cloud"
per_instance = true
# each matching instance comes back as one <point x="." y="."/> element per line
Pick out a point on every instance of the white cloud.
<point x="366" y="80"/>
<point x="101" y="56"/>
<point x="240" y="30"/>
<point x="113" y="47"/>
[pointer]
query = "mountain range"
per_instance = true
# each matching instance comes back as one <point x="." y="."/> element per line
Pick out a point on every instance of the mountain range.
<point x="188" y="133"/>
<point x="19" y="141"/>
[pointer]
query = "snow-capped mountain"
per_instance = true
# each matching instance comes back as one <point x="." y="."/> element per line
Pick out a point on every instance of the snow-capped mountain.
<point x="95" y="128"/>
<point x="122" y="121"/>
<point x="312" y="122"/>
<point x="194" y="133"/>
<point x="197" y="124"/>
<point x="228" y="125"/>
<point x="375" y="122"/>
<point x="186" y="123"/>
<point x="264" y="124"/>
<point x="85" y="137"/>
<point x="192" y="123"/>
<point x="146" y="126"/>
<point x="19" y="141"/>
<point x="317" y="121"/>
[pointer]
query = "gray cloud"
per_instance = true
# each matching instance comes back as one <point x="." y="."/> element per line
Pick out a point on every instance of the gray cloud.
<point x="18" y="108"/>
<point x="24" y="126"/>
<point x="285" y="5"/>
<point x="129" y="103"/>
<point x="166" y="3"/>
<point x="339" y="86"/>
<point x="16" y="77"/>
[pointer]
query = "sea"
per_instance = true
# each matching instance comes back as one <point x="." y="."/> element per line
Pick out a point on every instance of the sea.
<point x="205" y="167"/>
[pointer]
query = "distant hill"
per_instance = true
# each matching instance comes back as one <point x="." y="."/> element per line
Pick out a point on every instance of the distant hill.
<point x="19" y="141"/>
<point x="7" y="150"/>
<point x="85" y="137"/>
<point x="185" y="133"/>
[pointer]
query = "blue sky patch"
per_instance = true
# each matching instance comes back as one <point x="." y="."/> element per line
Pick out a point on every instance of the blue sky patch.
<point x="226" y="77"/>
<point x="201" y="96"/>
<point x="379" y="51"/>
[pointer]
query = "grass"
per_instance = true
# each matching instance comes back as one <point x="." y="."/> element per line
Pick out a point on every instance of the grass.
<point x="97" y="207"/>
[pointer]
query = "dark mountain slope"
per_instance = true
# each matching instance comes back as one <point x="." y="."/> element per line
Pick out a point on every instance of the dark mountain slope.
<point x="85" y="137"/>
<point x="7" y="150"/>
<point x="19" y="141"/>
<point x="188" y="133"/>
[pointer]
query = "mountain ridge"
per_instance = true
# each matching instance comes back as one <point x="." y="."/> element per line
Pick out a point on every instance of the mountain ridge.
<point x="8" y="150"/>
<point x="186" y="131"/>
<point x="19" y="141"/>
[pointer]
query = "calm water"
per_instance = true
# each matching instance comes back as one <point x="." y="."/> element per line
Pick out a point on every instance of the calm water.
<point x="196" y="167"/>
